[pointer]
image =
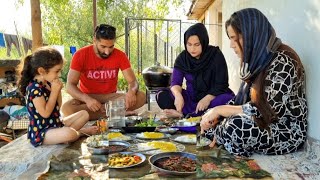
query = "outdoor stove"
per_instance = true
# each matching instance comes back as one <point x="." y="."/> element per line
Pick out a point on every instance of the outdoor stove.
<point x="156" y="78"/>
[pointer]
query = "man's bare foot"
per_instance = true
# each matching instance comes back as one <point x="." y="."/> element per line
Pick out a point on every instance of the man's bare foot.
<point x="171" y="113"/>
<point x="91" y="130"/>
<point x="131" y="113"/>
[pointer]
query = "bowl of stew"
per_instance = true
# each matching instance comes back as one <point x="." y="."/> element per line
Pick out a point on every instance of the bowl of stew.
<point x="174" y="163"/>
<point x="108" y="147"/>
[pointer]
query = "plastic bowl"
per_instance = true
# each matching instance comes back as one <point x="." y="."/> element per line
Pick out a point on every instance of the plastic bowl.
<point x="132" y="120"/>
<point x="189" y="127"/>
<point x="169" y="130"/>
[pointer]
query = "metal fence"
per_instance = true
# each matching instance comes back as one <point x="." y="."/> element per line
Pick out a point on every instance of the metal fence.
<point x="152" y="41"/>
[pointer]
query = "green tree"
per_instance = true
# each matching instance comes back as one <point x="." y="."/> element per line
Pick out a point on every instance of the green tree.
<point x="70" y="22"/>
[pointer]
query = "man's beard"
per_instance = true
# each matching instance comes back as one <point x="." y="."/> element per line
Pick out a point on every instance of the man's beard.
<point x="103" y="55"/>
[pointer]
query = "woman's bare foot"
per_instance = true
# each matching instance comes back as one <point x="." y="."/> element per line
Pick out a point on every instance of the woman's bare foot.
<point x="213" y="143"/>
<point x="171" y="113"/>
<point x="91" y="130"/>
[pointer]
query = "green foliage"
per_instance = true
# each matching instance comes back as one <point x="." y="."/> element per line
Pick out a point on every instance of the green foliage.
<point x="70" y="22"/>
<point x="123" y="85"/>
<point x="13" y="54"/>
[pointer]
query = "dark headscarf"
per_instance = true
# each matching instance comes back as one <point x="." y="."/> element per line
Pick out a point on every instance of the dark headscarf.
<point x="209" y="71"/>
<point x="259" y="45"/>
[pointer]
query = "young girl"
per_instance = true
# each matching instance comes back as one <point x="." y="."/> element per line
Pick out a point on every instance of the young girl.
<point x="41" y="86"/>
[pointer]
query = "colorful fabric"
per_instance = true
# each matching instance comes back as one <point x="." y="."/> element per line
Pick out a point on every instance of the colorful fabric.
<point x="39" y="125"/>
<point x="286" y="93"/>
<point x="98" y="76"/>
<point x="2" y="44"/>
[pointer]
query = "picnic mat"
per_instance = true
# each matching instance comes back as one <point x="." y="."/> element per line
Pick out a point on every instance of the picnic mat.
<point x="218" y="163"/>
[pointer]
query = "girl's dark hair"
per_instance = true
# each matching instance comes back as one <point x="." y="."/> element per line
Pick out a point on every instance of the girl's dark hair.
<point x="45" y="57"/>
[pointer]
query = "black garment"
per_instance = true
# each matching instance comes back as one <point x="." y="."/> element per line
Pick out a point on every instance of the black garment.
<point x="27" y="44"/>
<point x="164" y="99"/>
<point x="12" y="39"/>
<point x="210" y="70"/>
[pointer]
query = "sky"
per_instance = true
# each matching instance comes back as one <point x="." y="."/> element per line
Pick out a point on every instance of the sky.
<point x="11" y="14"/>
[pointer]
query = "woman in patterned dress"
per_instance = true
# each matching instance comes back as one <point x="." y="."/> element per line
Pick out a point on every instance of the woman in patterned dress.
<point x="269" y="113"/>
<point x="40" y="84"/>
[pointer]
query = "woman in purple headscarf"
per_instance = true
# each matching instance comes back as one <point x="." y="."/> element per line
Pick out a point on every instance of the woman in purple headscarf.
<point x="205" y="70"/>
<point x="269" y="113"/>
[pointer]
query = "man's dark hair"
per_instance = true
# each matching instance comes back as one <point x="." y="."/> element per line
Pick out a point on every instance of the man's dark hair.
<point x="104" y="31"/>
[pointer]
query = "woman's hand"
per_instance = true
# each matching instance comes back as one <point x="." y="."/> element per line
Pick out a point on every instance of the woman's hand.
<point x="204" y="103"/>
<point x="209" y="119"/>
<point x="179" y="102"/>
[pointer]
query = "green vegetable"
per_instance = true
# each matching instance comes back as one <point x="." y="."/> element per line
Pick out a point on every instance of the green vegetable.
<point x="148" y="123"/>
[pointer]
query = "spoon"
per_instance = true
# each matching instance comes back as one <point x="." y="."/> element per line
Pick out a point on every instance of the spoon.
<point x="153" y="149"/>
<point x="189" y="115"/>
<point x="85" y="134"/>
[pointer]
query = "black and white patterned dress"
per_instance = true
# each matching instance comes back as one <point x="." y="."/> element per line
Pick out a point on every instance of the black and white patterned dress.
<point x="285" y="92"/>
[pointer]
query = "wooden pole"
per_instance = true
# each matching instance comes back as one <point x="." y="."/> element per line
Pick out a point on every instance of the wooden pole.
<point x="37" y="40"/>
<point x="94" y="14"/>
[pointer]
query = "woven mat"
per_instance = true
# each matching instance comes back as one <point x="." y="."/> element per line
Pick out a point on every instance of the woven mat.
<point x="20" y="159"/>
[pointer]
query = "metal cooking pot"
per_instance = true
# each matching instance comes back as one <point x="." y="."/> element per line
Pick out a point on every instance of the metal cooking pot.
<point x="157" y="76"/>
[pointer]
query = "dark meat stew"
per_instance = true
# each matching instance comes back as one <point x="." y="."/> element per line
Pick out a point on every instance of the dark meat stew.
<point x="177" y="163"/>
<point x="116" y="148"/>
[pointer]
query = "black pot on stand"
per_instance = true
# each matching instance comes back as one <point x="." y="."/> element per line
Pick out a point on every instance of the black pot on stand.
<point x="155" y="78"/>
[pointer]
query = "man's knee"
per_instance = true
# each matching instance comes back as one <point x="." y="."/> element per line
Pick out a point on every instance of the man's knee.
<point x="70" y="107"/>
<point x="142" y="97"/>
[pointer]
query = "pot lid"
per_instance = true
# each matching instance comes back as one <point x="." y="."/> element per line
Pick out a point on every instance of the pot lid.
<point x="157" y="69"/>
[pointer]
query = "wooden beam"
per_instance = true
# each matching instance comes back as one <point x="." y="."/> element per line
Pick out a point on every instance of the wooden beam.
<point x="36" y="27"/>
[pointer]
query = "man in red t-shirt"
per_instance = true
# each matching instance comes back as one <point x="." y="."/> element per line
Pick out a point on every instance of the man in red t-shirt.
<point x="93" y="76"/>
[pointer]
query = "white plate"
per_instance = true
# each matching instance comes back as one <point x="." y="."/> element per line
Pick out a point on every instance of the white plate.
<point x="143" y="146"/>
<point x="141" y="136"/>
<point x="184" y="138"/>
<point x="204" y="142"/>
<point x="143" y="158"/>
<point x="105" y="137"/>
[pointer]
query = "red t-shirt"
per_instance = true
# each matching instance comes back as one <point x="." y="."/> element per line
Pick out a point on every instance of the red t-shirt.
<point x="97" y="75"/>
